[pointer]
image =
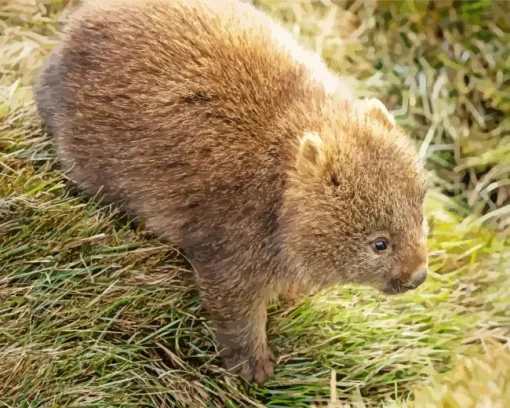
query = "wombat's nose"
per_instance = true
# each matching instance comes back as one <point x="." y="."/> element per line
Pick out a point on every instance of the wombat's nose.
<point x="418" y="278"/>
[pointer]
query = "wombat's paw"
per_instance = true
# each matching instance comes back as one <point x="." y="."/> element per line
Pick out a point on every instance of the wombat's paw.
<point x="292" y="294"/>
<point x="256" y="368"/>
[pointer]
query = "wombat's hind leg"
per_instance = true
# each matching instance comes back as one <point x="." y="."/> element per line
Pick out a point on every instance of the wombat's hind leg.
<point x="47" y="90"/>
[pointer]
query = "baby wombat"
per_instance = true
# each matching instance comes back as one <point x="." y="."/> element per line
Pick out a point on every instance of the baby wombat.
<point x="208" y="120"/>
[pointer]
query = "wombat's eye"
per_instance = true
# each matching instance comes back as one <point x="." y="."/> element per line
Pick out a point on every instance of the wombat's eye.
<point x="380" y="244"/>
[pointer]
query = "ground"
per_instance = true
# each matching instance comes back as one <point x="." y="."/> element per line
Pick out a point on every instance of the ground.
<point x="96" y="312"/>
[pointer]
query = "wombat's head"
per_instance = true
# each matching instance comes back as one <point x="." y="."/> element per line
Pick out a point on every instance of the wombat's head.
<point x="354" y="206"/>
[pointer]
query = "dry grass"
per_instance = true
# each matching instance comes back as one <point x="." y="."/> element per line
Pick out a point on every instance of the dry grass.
<point x="97" y="313"/>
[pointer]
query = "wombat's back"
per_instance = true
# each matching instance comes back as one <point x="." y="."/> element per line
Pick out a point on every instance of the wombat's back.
<point x="174" y="107"/>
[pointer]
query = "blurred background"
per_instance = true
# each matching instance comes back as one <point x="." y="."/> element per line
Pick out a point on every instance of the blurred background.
<point x="94" y="312"/>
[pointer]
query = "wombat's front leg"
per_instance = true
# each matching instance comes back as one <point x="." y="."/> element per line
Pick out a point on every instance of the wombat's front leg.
<point x="294" y="293"/>
<point x="246" y="350"/>
<point x="237" y="305"/>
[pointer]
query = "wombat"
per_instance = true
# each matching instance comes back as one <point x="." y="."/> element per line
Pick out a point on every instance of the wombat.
<point x="207" y="119"/>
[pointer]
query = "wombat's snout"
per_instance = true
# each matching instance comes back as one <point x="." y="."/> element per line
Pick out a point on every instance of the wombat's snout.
<point x="408" y="281"/>
<point x="413" y="271"/>
<point x="417" y="278"/>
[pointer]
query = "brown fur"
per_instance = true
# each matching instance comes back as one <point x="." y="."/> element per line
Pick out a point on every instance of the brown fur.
<point x="207" y="119"/>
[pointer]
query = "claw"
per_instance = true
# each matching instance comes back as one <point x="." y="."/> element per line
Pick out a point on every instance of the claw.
<point x="256" y="368"/>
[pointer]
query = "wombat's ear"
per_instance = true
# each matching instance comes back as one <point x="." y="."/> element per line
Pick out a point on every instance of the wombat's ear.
<point x="309" y="153"/>
<point x="374" y="107"/>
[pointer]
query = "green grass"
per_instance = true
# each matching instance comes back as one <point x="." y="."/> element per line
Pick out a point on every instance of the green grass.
<point x="95" y="312"/>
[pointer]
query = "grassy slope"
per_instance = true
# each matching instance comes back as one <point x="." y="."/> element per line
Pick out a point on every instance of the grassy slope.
<point x="96" y="313"/>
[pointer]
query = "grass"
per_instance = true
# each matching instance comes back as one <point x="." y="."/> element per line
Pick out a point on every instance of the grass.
<point x="95" y="312"/>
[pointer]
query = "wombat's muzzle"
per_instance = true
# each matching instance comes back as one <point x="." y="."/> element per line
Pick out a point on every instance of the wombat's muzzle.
<point x="417" y="279"/>
<point x="397" y="286"/>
